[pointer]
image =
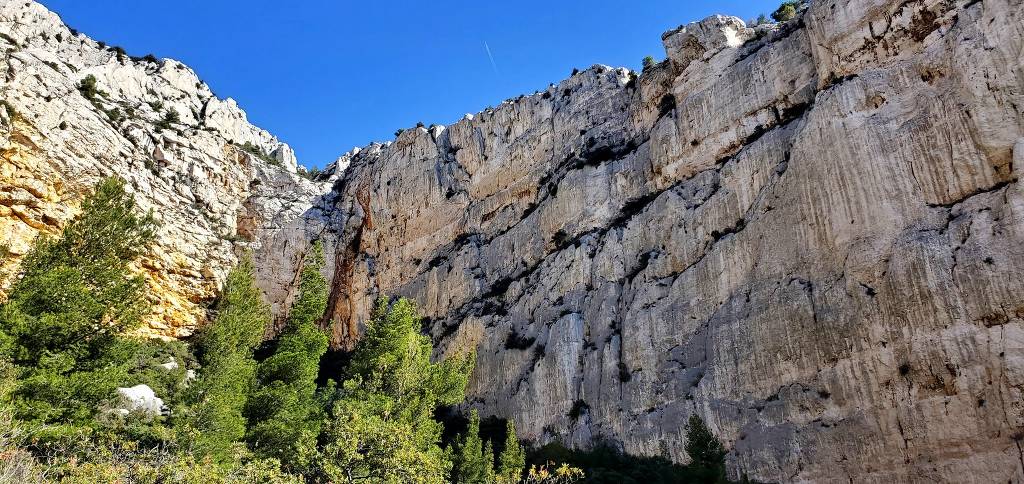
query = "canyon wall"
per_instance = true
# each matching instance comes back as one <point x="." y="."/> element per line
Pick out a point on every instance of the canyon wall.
<point x="217" y="184"/>
<point x="811" y="233"/>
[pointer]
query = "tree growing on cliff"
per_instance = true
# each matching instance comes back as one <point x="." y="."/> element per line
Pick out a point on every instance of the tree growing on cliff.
<point x="228" y="368"/>
<point x="707" y="455"/>
<point x="65" y="318"/>
<point x="382" y="427"/>
<point x="648" y="63"/>
<point x="285" y="411"/>
<point x="787" y="11"/>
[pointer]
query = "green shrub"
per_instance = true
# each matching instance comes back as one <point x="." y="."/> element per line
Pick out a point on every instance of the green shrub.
<point x="472" y="462"/>
<point x="512" y="461"/>
<point x="87" y="87"/>
<point x="309" y="173"/>
<point x="787" y="11"/>
<point x="114" y="115"/>
<point x="707" y="455"/>
<point x="170" y="118"/>
<point x="648" y="63"/>
<point x="257" y="152"/>
<point x="64" y="319"/>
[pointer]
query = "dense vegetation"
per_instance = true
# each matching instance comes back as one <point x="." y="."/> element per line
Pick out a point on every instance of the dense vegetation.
<point x="236" y="408"/>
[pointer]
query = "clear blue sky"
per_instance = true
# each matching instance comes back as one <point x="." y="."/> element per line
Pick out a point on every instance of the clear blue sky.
<point x="325" y="76"/>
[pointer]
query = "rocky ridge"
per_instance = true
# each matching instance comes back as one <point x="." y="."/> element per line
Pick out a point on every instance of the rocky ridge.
<point x="216" y="183"/>
<point x="809" y="233"/>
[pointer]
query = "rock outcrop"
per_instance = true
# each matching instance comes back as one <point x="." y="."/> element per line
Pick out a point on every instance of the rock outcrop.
<point x="217" y="184"/>
<point x="810" y="233"/>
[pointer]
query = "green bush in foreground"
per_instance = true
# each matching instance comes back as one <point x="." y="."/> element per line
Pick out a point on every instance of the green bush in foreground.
<point x="63" y="323"/>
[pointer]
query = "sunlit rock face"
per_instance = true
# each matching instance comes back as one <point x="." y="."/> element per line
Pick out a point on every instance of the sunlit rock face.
<point x="213" y="198"/>
<point x="810" y="234"/>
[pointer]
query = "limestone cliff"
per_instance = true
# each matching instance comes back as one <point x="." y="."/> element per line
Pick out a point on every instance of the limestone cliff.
<point x="216" y="183"/>
<point x="811" y="234"/>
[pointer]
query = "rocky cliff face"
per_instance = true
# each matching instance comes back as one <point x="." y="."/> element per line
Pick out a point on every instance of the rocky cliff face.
<point x="218" y="184"/>
<point x="811" y="234"/>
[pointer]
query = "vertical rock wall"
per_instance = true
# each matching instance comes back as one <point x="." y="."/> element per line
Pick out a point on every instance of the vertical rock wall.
<point x="810" y="234"/>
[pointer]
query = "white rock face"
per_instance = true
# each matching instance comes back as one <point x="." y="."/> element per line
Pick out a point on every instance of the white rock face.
<point x="286" y="156"/>
<point x="141" y="398"/>
<point x="810" y="234"/>
<point x="171" y="365"/>
<point x="213" y="199"/>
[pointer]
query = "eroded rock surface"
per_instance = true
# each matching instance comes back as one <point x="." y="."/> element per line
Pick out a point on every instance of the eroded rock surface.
<point x="214" y="198"/>
<point x="811" y="234"/>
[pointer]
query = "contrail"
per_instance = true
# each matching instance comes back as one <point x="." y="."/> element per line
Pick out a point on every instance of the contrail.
<point x="491" y="57"/>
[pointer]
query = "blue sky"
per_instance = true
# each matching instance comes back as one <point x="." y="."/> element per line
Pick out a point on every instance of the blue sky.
<point x="326" y="76"/>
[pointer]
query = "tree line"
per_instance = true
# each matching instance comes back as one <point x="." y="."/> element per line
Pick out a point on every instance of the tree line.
<point x="67" y="349"/>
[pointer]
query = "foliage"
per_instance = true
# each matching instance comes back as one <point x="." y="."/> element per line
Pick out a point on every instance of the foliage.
<point x="787" y="11"/>
<point x="472" y="463"/>
<point x="77" y="292"/>
<point x="284" y="412"/>
<point x="259" y="153"/>
<point x="648" y="63"/>
<point x="604" y="463"/>
<point x="707" y="455"/>
<point x="309" y="173"/>
<point x="87" y="87"/>
<point x="171" y="117"/>
<point x="76" y="296"/>
<point x="229" y="370"/>
<point x="563" y="474"/>
<point x="382" y="426"/>
<point x="512" y="460"/>
<point x="16" y="464"/>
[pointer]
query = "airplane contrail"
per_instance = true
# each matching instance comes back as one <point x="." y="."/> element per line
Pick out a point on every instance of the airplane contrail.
<point x="491" y="57"/>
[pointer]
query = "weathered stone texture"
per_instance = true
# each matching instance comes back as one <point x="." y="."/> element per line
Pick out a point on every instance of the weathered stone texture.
<point x="213" y="199"/>
<point x="811" y="234"/>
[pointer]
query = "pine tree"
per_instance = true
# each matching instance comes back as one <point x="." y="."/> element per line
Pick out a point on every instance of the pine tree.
<point x="285" y="412"/>
<point x="489" y="475"/>
<point x="382" y="429"/>
<point x="469" y="459"/>
<point x="65" y="318"/>
<point x="649" y="63"/>
<point x="707" y="455"/>
<point x="512" y="460"/>
<point x="228" y="368"/>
